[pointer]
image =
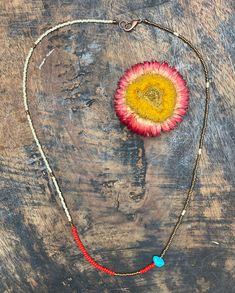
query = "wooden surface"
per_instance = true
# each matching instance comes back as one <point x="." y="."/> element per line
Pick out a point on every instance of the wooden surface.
<point x="125" y="191"/>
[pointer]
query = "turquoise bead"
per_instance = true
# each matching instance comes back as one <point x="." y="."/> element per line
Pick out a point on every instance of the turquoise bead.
<point x="158" y="261"/>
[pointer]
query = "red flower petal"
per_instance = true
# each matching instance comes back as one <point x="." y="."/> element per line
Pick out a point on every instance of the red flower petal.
<point x="138" y="124"/>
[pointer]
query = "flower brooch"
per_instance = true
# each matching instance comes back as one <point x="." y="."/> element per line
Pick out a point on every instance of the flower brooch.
<point x="151" y="97"/>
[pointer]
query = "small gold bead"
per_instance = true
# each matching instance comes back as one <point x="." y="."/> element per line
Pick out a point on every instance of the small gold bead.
<point x="183" y="212"/>
<point x="51" y="174"/>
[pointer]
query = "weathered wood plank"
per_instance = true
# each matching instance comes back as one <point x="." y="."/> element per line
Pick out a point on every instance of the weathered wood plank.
<point x="124" y="191"/>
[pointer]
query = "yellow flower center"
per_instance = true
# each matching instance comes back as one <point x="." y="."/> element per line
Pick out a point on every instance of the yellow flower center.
<point x="152" y="96"/>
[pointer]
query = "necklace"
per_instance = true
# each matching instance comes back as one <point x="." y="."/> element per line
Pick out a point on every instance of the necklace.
<point x="157" y="261"/>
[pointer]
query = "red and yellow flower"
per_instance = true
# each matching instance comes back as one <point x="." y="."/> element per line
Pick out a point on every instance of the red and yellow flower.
<point x="151" y="97"/>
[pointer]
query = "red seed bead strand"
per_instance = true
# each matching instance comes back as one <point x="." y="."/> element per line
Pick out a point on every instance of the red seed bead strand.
<point x="147" y="268"/>
<point x="86" y="254"/>
<point x="97" y="265"/>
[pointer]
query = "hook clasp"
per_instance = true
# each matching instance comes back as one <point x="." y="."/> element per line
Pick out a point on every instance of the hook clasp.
<point x="129" y="26"/>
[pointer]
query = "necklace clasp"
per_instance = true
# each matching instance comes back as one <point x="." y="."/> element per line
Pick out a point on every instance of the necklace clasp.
<point x="129" y="26"/>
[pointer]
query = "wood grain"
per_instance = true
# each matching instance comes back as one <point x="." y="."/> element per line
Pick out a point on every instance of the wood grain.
<point x="125" y="191"/>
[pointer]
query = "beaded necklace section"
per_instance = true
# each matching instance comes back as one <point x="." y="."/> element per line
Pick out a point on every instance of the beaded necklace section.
<point x="151" y="98"/>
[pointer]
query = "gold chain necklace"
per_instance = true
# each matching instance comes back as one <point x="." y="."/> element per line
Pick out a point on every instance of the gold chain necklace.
<point x="128" y="27"/>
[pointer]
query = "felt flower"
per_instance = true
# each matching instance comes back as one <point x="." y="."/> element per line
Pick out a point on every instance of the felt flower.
<point x="151" y="97"/>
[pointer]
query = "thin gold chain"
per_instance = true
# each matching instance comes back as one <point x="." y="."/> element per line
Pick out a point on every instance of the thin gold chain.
<point x="202" y="134"/>
<point x="126" y="27"/>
